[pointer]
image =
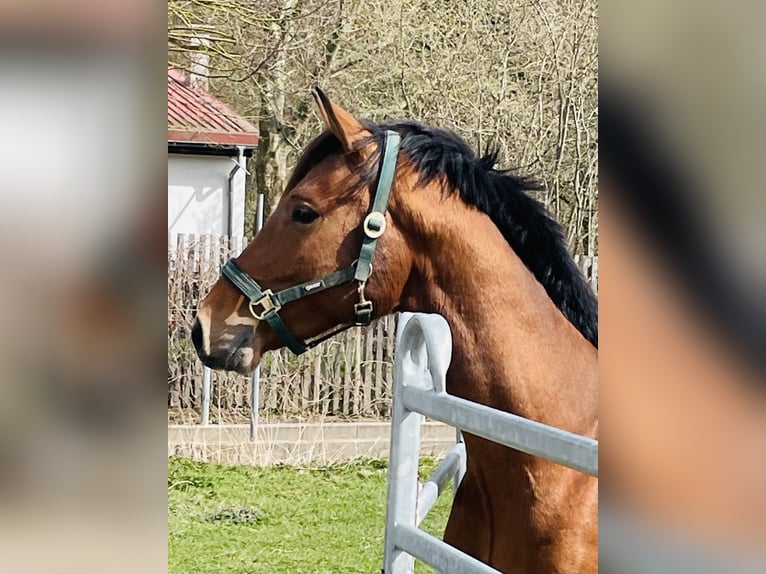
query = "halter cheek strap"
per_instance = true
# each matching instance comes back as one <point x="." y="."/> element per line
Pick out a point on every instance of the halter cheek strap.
<point x="265" y="304"/>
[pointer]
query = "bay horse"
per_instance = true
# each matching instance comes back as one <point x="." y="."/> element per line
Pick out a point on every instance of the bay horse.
<point x="402" y="217"/>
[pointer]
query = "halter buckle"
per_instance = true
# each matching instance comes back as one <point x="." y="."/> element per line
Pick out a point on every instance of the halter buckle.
<point x="267" y="302"/>
<point x="363" y="313"/>
<point x="374" y="224"/>
<point x="363" y="309"/>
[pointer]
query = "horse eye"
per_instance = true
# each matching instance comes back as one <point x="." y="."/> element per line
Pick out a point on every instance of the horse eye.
<point x="304" y="214"/>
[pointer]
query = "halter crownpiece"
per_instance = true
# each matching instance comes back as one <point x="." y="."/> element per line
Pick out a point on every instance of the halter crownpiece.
<point x="265" y="304"/>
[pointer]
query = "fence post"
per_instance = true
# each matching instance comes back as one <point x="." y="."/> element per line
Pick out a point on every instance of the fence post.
<point x="402" y="475"/>
<point x="206" y="395"/>
<point x="255" y="381"/>
<point x="421" y="361"/>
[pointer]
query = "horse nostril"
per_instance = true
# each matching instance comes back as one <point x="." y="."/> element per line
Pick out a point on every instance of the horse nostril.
<point x="196" y="335"/>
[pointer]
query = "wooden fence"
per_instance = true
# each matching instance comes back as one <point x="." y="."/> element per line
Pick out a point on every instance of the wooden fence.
<point x="350" y="375"/>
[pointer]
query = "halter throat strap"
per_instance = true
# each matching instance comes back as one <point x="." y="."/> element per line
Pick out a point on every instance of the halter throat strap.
<point x="265" y="304"/>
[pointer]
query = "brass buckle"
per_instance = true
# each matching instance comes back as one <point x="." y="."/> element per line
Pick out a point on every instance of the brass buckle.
<point x="267" y="302"/>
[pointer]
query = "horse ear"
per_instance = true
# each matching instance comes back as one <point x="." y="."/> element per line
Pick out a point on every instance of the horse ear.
<point x="341" y="123"/>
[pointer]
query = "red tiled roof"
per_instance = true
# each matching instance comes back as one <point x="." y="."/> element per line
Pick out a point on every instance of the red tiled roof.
<point x="196" y="116"/>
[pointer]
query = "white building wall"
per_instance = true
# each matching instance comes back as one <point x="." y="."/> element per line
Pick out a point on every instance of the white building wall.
<point x="197" y="195"/>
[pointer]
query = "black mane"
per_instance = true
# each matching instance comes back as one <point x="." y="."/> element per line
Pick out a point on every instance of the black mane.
<point x="525" y="223"/>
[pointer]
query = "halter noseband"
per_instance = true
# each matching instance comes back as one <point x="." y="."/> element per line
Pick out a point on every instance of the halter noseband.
<point x="265" y="304"/>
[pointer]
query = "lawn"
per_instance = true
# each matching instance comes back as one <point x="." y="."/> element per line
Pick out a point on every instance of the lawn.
<point x="282" y="519"/>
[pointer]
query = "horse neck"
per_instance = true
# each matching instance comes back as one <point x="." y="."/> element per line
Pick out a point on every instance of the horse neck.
<point x="512" y="347"/>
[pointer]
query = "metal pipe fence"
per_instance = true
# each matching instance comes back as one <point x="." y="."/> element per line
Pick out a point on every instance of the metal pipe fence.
<point x="424" y="352"/>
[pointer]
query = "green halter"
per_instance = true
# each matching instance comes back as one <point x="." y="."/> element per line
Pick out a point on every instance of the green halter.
<point x="265" y="304"/>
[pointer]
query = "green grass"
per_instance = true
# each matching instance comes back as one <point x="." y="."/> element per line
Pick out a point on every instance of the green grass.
<point x="282" y="519"/>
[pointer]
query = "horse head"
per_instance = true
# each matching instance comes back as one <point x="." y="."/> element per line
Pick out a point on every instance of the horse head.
<point x="310" y="269"/>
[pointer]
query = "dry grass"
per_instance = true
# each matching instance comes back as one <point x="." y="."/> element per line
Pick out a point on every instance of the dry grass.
<point x="302" y="442"/>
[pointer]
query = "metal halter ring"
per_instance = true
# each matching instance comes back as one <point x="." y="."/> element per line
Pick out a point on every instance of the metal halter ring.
<point x="267" y="302"/>
<point x="374" y="224"/>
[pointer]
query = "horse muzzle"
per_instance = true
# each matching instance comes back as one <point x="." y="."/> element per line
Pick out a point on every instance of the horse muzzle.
<point x="235" y="349"/>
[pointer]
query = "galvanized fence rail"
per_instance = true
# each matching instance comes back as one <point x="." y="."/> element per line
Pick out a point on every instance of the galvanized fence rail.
<point x="424" y="351"/>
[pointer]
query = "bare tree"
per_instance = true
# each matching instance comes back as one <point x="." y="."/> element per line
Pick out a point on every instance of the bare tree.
<point x="513" y="74"/>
